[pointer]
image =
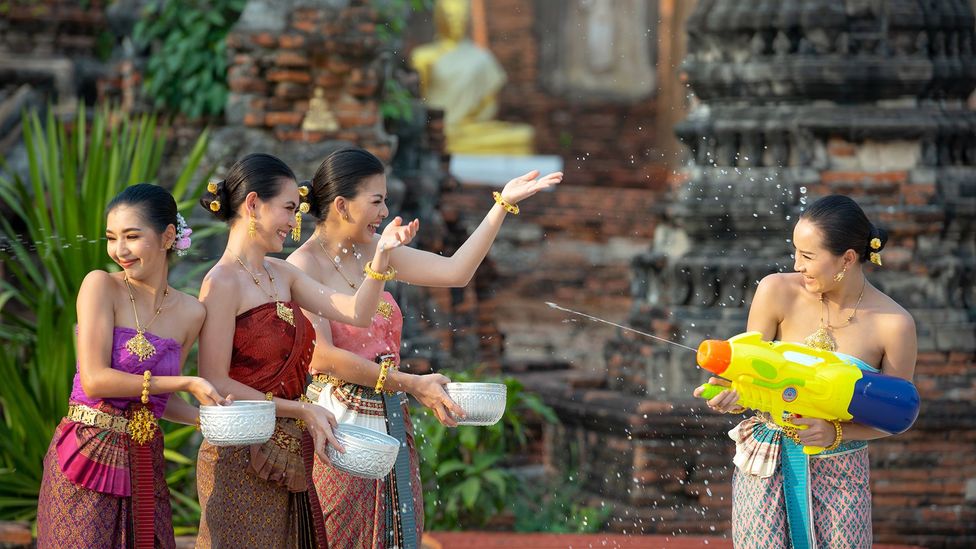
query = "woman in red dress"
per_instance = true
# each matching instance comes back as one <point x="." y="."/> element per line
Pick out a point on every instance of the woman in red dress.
<point x="256" y="344"/>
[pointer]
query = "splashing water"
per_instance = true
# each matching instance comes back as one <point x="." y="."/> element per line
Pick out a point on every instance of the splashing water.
<point x="645" y="334"/>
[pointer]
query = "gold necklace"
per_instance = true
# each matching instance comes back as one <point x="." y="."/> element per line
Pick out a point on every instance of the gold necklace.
<point x="383" y="308"/>
<point x="334" y="264"/>
<point x="138" y="345"/>
<point x="284" y="312"/>
<point x="823" y="338"/>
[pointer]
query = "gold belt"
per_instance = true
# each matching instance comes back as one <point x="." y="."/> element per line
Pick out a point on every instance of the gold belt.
<point x="97" y="418"/>
<point x="328" y="379"/>
<point x="319" y="381"/>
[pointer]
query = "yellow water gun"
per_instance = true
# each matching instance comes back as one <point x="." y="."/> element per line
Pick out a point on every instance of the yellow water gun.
<point x="789" y="379"/>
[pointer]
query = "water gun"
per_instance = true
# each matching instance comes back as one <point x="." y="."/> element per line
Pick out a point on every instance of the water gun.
<point x="785" y="379"/>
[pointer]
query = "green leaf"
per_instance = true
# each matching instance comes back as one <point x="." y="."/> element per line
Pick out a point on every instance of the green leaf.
<point x="470" y="490"/>
<point x="176" y="457"/>
<point x="499" y="480"/>
<point x="450" y="466"/>
<point x="468" y="437"/>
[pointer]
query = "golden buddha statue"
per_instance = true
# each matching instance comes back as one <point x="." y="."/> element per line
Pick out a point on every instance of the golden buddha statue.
<point x="463" y="79"/>
<point x="319" y="117"/>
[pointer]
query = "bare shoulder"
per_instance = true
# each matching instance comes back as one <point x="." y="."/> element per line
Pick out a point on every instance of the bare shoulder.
<point x="780" y="286"/>
<point x="283" y="267"/>
<point x="190" y="308"/>
<point x="221" y="279"/>
<point x="894" y="318"/>
<point x="97" y="281"/>
<point x="100" y="291"/>
<point x="302" y="258"/>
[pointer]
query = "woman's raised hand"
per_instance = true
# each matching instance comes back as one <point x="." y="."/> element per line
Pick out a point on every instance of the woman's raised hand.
<point x="397" y="234"/>
<point x="527" y="185"/>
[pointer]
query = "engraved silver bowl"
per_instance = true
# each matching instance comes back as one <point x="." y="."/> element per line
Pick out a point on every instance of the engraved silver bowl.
<point x="483" y="403"/>
<point x="241" y="423"/>
<point x="369" y="453"/>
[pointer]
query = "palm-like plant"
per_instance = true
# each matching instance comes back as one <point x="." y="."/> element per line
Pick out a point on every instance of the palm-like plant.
<point x="53" y="240"/>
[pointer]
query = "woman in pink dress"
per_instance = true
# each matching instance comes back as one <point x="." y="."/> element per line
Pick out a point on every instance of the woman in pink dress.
<point x="103" y="483"/>
<point x="357" y="377"/>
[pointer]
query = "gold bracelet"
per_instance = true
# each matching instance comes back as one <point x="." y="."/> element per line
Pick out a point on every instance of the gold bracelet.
<point x="269" y="396"/>
<point x="838" y="437"/>
<point x="385" y="366"/>
<point x="300" y="423"/>
<point x="383" y="277"/>
<point x="146" y="376"/>
<point x="510" y="208"/>
<point x="142" y="422"/>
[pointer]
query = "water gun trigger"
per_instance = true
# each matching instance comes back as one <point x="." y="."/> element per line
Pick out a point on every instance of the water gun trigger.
<point x="784" y="420"/>
<point x="786" y="423"/>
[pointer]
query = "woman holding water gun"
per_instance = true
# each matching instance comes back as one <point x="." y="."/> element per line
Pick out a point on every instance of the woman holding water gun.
<point x="781" y="496"/>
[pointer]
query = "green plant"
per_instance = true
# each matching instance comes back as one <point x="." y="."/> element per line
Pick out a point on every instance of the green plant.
<point x="187" y="70"/>
<point x="52" y="240"/>
<point x="555" y="506"/>
<point x="396" y="102"/>
<point x="463" y="469"/>
<point x="395" y="13"/>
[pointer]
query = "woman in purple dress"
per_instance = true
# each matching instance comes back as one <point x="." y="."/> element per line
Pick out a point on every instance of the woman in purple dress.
<point x="103" y="483"/>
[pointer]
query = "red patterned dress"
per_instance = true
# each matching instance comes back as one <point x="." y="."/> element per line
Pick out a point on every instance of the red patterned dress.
<point x="242" y="504"/>
<point x="362" y="513"/>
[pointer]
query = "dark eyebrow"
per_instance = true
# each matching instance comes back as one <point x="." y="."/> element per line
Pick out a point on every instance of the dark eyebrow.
<point x="126" y="230"/>
<point x="290" y="203"/>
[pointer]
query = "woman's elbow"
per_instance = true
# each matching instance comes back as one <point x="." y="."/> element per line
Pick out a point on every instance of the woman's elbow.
<point x="361" y="320"/>
<point x="91" y="386"/>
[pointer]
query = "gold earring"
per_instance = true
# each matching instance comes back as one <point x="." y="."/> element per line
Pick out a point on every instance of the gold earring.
<point x="296" y="231"/>
<point x="840" y="276"/>
<point x="252" y="226"/>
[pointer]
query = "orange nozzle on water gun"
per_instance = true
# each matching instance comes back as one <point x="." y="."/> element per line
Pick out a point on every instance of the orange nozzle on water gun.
<point x="715" y="355"/>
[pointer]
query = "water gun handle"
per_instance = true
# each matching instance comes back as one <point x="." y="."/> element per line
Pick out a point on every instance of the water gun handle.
<point x="710" y="391"/>
<point x="813" y="450"/>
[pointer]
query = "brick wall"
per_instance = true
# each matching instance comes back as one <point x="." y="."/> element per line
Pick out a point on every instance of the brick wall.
<point x="573" y="246"/>
<point x="602" y="143"/>
<point x="272" y="76"/>
<point x="51" y="27"/>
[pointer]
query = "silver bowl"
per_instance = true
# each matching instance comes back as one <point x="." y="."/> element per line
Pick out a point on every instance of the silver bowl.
<point x="369" y="453"/>
<point x="483" y="403"/>
<point x="241" y="423"/>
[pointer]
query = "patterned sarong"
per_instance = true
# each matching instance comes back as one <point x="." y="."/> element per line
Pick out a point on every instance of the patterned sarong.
<point x="70" y="515"/>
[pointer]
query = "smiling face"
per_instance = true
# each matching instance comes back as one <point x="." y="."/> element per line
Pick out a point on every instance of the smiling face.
<point x="366" y="211"/>
<point x="817" y="264"/>
<point x="275" y="217"/>
<point x="134" y="245"/>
